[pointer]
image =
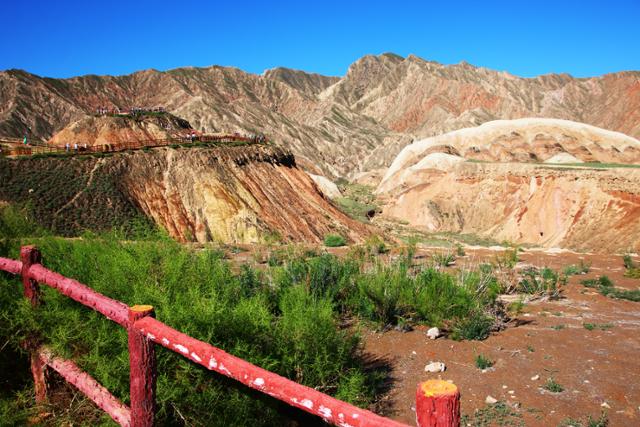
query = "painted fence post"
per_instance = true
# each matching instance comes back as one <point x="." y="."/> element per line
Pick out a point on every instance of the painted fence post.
<point x="142" y="370"/>
<point x="30" y="255"/>
<point x="437" y="404"/>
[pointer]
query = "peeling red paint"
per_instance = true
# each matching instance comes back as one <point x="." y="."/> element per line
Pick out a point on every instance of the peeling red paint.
<point x="89" y="386"/>
<point x="10" y="265"/>
<point x="112" y="309"/>
<point x="305" y="398"/>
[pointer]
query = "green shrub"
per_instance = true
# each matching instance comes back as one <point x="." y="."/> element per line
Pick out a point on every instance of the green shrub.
<point x="582" y="268"/>
<point x="542" y="282"/>
<point x="376" y="245"/>
<point x="285" y="317"/>
<point x="508" y="259"/>
<point x="483" y="362"/>
<point x="476" y="327"/>
<point x="289" y="330"/>
<point x="602" y="421"/>
<point x="602" y="327"/>
<point x="334" y="240"/>
<point x="606" y="287"/>
<point x="443" y="259"/>
<point x="553" y="386"/>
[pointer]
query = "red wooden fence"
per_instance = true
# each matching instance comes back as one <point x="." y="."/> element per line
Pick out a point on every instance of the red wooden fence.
<point x="437" y="402"/>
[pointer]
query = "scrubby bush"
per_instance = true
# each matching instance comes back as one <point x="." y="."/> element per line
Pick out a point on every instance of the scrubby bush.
<point x="582" y="268"/>
<point x="334" y="240"/>
<point x="292" y="330"/>
<point x="443" y="259"/>
<point x="376" y="245"/>
<point x="606" y="287"/>
<point x="483" y="362"/>
<point x="542" y="282"/>
<point x="553" y="386"/>
<point x="632" y="270"/>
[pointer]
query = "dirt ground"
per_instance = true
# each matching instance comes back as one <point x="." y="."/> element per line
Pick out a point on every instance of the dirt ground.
<point x="599" y="369"/>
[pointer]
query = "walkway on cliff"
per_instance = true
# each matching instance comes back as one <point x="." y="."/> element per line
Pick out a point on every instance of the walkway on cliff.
<point x="13" y="147"/>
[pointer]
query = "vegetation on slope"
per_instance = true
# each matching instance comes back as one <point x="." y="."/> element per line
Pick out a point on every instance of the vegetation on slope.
<point x="69" y="195"/>
<point x="357" y="201"/>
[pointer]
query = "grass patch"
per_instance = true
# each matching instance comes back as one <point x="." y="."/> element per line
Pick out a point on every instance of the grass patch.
<point x="499" y="414"/>
<point x="592" y="165"/>
<point x="46" y="187"/>
<point x="553" y="386"/>
<point x="334" y="240"/>
<point x="582" y="268"/>
<point x="542" y="282"/>
<point x="606" y="287"/>
<point x="483" y="362"/>
<point x="357" y="201"/>
<point x="602" y="421"/>
<point x="593" y="326"/>
<point x="443" y="259"/>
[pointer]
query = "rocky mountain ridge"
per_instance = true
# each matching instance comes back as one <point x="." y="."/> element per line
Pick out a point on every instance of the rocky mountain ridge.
<point x="341" y="125"/>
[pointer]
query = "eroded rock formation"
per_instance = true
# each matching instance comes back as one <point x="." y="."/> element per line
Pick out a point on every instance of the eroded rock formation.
<point x="233" y="195"/>
<point x="432" y="185"/>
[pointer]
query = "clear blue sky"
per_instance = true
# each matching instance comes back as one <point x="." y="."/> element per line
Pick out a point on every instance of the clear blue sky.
<point x="67" y="38"/>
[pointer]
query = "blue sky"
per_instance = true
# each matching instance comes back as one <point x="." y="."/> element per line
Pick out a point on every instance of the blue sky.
<point x="67" y="38"/>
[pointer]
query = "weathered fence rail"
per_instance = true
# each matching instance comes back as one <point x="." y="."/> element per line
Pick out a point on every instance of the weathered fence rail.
<point x="437" y="402"/>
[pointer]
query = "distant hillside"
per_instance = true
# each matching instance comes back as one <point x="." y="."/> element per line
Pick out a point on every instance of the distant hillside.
<point x="343" y="125"/>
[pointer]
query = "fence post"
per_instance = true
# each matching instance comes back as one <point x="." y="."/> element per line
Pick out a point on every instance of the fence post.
<point x="142" y="370"/>
<point x="30" y="255"/>
<point x="437" y="404"/>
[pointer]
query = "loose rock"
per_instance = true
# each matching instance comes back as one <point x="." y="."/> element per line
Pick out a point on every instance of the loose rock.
<point x="435" y="367"/>
<point x="535" y="378"/>
<point x="490" y="400"/>
<point x="433" y="333"/>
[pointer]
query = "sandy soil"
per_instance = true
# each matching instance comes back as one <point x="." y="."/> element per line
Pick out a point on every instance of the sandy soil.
<point x="597" y="368"/>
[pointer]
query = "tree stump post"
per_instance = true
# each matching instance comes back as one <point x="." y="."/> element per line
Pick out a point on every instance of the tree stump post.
<point x="29" y="256"/>
<point x="437" y="404"/>
<point x="142" y="370"/>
